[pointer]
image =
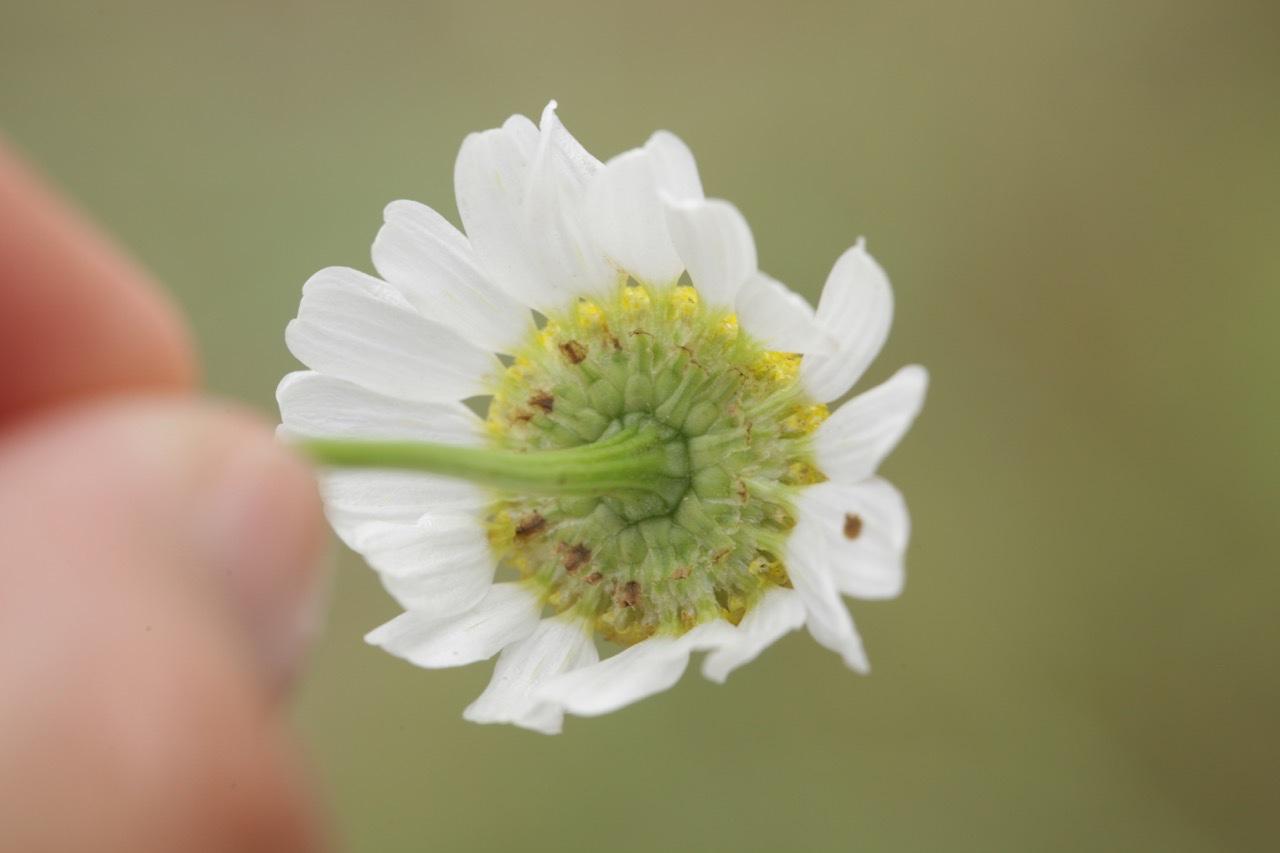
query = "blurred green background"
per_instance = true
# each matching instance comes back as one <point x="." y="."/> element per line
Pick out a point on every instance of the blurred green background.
<point x="1079" y="205"/>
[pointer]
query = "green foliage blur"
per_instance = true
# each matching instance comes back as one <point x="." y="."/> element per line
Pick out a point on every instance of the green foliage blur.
<point x="1079" y="206"/>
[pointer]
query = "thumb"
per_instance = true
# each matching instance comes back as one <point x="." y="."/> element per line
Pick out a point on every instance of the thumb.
<point x="155" y="592"/>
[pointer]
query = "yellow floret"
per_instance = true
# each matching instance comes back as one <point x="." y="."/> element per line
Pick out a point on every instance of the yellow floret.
<point x="735" y="608"/>
<point x="805" y="419"/>
<point x="635" y="299"/>
<point x="769" y="569"/>
<point x="589" y="314"/>
<point x="548" y="335"/>
<point x="501" y="531"/>
<point x="685" y="300"/>
<point x="776" y="367"/>
<point x="804" y="474"/>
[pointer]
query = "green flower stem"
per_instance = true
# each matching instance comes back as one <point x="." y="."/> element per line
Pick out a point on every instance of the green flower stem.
<point x="635" y="458"/>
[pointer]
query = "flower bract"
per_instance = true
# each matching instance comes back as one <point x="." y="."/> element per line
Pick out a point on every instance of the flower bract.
<point x="657" y="470"/>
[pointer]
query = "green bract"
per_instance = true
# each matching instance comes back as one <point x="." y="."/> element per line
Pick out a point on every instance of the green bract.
<point x="721" y="426"/>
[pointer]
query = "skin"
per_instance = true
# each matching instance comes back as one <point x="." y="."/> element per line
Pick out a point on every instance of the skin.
<point x="159" y="567"/>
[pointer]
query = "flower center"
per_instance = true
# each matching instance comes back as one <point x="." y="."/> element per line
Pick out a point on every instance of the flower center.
<point x="721" y="425"/>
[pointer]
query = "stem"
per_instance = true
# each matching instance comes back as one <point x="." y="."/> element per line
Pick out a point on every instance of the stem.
<point x="631" y="459"/>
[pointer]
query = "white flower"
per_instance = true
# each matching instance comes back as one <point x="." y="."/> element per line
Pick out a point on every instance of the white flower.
<point x="709" y="503"/>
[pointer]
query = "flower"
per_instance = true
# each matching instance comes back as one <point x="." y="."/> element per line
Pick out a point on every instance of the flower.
<point x="657" y="467"/>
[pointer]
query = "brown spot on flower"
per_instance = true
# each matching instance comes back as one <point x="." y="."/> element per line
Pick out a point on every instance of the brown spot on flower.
<point x="575" y="558"/>
<point x="628" y="594"/>
<point x="543" y="401"/>
<point x="594" y="578"/>
<point x="852" y="526"/>
<point x="719" y="556"/>
<point x="693" y="359"/>
<point x="684" y="572"/>
<point x="573" y="351"/>
<point x="530" y="525"/>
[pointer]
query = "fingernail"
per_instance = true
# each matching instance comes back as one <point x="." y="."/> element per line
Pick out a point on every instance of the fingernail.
<point x="263" y="534"/>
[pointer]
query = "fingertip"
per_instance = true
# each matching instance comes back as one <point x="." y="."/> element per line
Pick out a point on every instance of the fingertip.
<point x="78" y="317"/>
<point x="260" y="525"/>
<point x="136" y="606"/>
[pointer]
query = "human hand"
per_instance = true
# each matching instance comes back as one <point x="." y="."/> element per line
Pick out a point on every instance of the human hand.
<point x="158" y="567"/>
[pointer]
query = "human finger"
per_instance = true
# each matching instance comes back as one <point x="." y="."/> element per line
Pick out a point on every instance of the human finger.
<point x="77" y="316"/>
<point x="157" y="586"/>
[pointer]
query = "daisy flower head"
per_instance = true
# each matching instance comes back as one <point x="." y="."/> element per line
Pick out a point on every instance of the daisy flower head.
<point x="658" y="468"/>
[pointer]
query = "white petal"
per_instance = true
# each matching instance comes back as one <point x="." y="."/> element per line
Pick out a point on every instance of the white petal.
<point x="779" y="318"/>
<point x="779" y="612"/>
<point x="441" y="565"/>
<point x="403" y="496"/>
<point x="555" y="215"/>
<point x="354" y="497"/>
<point x="856" y="309"/>
<point x="576" y="163"/>
<point x="521" y="193"/>
<point x="852" y="443"/>
<point x="506" y="615"/>
<point x="863" y="528"/>
<point x="319" y="406"/>
<point x="491" y="178"/>
<point x="629" y="221"/>
<point x="673" y="167"/>
<point x="648" y="667"/>
<point x="807" y="561"/>
<point x="356" y="327"/>
<point x="431" y="263"/>
<point x="557" y="645"/>
<point x="716" y="245"/>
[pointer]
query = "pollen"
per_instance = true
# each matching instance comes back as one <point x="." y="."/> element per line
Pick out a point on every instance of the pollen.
<point x="699" y="537"/>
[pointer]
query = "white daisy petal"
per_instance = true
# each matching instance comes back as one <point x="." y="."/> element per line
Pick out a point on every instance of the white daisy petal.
<point x="629" y="221"/>
<point x="557" y="645"/>
<point x="441" y="565"/>
<point x="780" y="612"/>
<point x="355" y="327"/>
<point x="506" y="615"/>
<point x="807" y="559"/>
<point x="648" y="667"/>
<point x="319" y="406"/>
<point x="433" y="265"/>
<point x="521" y="196"/>
<point x="360" y="494"/>
<point x="716" y="245"/>
<point x="555" y="215"/>
<point x="354" y="497"/>
<point x="863" y="529"/>
<point x="850" y="445"/>
<point x="673" y="167"/>
<point x="577" y="164"/>
<point x="491" y="179"/>
<point x="856" y="309"/>
<point x="779" y="318"/>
